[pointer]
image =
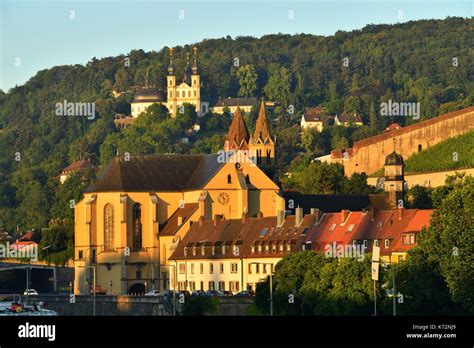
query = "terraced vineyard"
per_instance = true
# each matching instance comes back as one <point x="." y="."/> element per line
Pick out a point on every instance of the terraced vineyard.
<point x="455" y="153"/>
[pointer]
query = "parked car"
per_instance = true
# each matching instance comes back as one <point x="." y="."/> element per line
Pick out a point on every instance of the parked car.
<point x="153" y="293"/>
<point x="197" y="293"/>
<point x="211" y="293"/>
<point x="228" y="293"/>
<point x="30" y="292"/>
<point x="98" y="290"/>
<point x="244" y="294"/>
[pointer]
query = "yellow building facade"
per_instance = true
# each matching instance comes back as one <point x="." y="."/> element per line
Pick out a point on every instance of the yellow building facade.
<point x="138" y="209"/>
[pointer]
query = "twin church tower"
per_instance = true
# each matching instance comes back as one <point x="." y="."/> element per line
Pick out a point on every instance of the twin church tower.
<point x="260" y="145"/>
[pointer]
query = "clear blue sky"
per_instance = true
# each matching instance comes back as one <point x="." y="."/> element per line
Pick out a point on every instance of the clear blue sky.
<point x="41" y="33"/>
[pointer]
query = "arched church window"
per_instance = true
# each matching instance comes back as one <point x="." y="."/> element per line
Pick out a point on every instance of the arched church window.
<point x="137" y="226"/>
<point x="109" y="227"/>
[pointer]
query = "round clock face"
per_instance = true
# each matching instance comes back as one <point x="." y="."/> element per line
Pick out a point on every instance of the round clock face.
<point x="223" y="198"/>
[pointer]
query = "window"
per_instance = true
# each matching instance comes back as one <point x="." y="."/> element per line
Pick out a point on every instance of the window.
<point x="263" y="232"/>
<point x="376" y="242"/>
<point x="212" y="285"/>
<point x="203" y="250"/>
<point x="267" y="248"/>
<point x="274" y="248"/>
<point x="332" y="227"/>
<point x="81" y="254"/>
<point x="257" y="268"/>
<point x="171" y="94"/>
<point x="182" y="268"/>
<point x="387" y="243"/>
<point x="192" y="268"/>
<point x="201" y="268"/>
<point x="211" y="268"/>
<point x="194" y="83"/>
<point x="365" y="243"/>
<point x="264" y="269"/>
<point x="252" y="249"/>
<point x="234" y="267"/>
<point x="250" y="269"/>
<point x="420" y="147"/>
<point x="222" y="267"/>
<point x="234" y="286"/>
<point x="259" y="248"/>
<point x="109" y="227"/>
<point x="192" y="285"/>
<point x="221" y="286"/>
<point x="281" y="247"/>
<point x="138" y="275"/>
<point x="288" y="247"/>
<point x="195" y="94"/>
<point x="202" y="285"/>
<point x="408" y="239"/>
<point x="189" y="94"/>
<point x="137" y="226"/>
<point x="183" y="94"/>
<point x="229" y="179"/>
<point x="93" y="256"/>
<point x="350" y="228"/>
<point x="223" y="249"/>
<point x="194" y="250"/>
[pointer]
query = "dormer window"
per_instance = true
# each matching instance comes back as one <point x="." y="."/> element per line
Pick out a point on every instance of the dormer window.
<point x="253" y="249"/>
<point x="194" y="250"/>
<point x="223" y="249"/>
<point x="213" y="250"/>
<point x="203" y="250"/>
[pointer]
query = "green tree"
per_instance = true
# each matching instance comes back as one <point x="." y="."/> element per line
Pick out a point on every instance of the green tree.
<point x="449" y="241"/>
<point x="279" y="83"/>
<point x="247" y="76"/>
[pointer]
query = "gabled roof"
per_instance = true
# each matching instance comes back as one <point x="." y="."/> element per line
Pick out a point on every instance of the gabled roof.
<point x="244" y="233"/>
<point x="156" y="173"/>
<point x="343" y="118"/>
<point x="171" y="226"/>
<point x="77" y="165"/>
<point x="238" y="135"/>
<point x="313" y="114"/>
<point x="222" y="102"/>
<point x="369" y="225"/>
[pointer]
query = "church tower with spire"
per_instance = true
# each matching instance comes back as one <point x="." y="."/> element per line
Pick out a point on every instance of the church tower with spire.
<point x="262" y="142"/>
<point x="187" y="91"/>
<point x="238" y="136"/>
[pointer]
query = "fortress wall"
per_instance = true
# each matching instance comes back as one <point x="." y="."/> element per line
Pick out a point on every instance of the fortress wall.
<point x="433" y="179"/>
<point x="369" y="155"/>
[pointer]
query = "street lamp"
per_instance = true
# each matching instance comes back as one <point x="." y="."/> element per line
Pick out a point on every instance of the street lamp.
<point x="271" y="282"/>
<point x="94" y="285"/>
<point x="174" y="286"/>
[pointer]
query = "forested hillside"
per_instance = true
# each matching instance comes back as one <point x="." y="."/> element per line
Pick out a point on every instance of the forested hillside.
<point x="429" y="61"/>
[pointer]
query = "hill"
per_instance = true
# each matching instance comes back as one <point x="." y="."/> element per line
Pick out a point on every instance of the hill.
<point x="411" y="61"/>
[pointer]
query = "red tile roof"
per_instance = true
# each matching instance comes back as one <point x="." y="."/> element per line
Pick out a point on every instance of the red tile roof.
<point x="77" y="165"/>
<point x="314" y="114"/>
<point x="171" y="226"/>
<point x="370" y="225"/>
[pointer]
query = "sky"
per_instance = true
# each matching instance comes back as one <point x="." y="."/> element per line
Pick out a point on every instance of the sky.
<point x="40" y="34"/>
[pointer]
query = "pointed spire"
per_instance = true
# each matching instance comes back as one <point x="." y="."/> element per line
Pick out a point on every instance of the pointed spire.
<point x="262" y="127"/>
<point x="238" y="136"/>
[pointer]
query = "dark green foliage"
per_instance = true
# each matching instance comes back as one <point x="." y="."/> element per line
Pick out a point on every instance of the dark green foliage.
<point x="307" y="283"/>
<point x="200" y="305"/>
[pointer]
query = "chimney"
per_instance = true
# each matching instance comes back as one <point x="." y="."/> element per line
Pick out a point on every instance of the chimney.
<point x="400" y="213"/>
<point x="217" y="218"/>
<point x="318" y="213"/>
<point x="180" y="220"/>
<point x="298" y="216"/>
<point x="344" y="214"/>
<point x="372" y="212"/>
<point x="280" y="218"/>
